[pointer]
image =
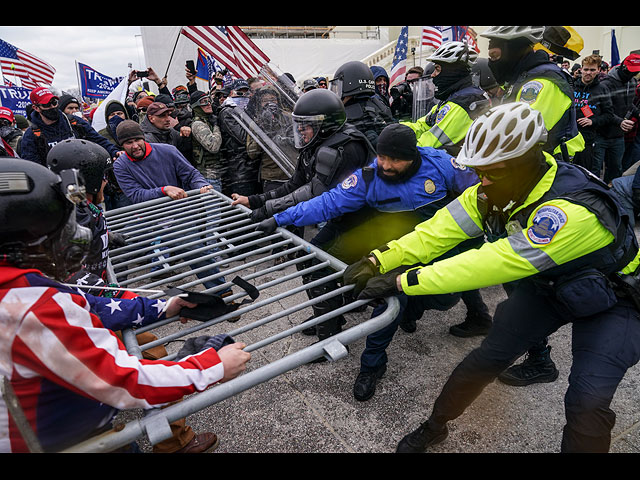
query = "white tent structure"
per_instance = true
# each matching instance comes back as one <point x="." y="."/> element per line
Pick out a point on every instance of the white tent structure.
<point x="166" y="51"/>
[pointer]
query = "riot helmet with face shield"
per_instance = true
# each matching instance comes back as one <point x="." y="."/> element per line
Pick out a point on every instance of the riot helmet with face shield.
<point x="38" y="226"/>
<point x="317" y="115"/>
<point x="353" y="78"/>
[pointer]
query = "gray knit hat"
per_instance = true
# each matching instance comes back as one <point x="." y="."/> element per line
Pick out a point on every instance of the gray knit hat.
<point x="128" y="130"/>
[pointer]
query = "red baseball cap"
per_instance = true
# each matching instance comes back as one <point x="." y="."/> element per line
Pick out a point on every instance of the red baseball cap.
<point x="7" y="113"/>
<point x="632" y="62"/>
<point x="41" y="96"/>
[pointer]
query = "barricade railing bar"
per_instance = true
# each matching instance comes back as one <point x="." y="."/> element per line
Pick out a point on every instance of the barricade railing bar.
<point x="205" y="244"/>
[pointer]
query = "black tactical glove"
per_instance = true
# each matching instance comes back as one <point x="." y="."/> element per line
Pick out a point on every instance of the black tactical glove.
<point x="267" y="226"/>
<point x="381" y="286"/>
<point x="116" y="240"/>
<point x="359" y="274"/>
<point x="259" y="214"/>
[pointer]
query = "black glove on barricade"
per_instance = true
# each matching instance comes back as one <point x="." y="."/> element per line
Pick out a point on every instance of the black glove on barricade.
<point x="268" y="226"/>
<point x="195" y="345"/>
<point x="381" y="286"/>
<point x="116" y="240"/>
<point x="359" y="274"/>
<point x="259" y="214"/>
<point x="385" y="285"/>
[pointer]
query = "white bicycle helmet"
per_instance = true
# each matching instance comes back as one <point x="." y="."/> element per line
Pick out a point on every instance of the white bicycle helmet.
<point x="504" y="132"/>
<point x="452" y="52"/>
<point x="533" y="34"/>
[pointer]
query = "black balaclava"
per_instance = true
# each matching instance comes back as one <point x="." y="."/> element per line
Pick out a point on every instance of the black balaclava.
<point x="449" y="78"/>
<point x="522" y="175"/>
<point x="512" y="52"/>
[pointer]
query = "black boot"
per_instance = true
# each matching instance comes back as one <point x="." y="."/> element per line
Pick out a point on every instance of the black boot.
<point x="536" y="368"/>
<point x="365" y="384"/>
<point x="425" y="436"/>
<point x="475" y="324"/>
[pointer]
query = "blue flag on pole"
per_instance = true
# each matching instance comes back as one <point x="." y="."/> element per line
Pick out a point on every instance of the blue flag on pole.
<point x="16" y="98"/>
<point x="615" y="54"/>
<point x="93" y="84"/>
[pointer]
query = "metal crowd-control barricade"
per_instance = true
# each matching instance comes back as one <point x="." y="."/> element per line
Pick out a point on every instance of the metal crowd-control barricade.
<point x="170" y="242"/>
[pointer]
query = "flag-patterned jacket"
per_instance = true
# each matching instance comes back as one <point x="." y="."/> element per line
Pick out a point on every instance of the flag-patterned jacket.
<point x="68" y="369"/>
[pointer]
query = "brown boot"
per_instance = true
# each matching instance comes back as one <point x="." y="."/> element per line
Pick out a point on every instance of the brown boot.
<point x="202" y="443"/>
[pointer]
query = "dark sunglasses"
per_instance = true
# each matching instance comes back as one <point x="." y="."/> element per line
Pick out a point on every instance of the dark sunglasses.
<point x="493" y="176"/>
<point x="52" y="104"/>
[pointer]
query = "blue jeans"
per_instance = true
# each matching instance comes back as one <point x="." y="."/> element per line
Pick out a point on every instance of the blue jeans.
<point x="374" y="355"/>
<point x="607" y="154"/>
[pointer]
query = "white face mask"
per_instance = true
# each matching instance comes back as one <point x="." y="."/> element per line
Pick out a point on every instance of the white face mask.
<point x="240" y="102"/>
<point x="78" y="114"/>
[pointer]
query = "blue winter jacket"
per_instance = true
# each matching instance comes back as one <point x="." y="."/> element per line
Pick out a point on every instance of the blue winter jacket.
<point x="59" y="131"/>
<point x="438" y="177"/>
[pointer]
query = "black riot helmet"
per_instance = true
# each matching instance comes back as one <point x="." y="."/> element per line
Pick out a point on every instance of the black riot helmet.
<point x="89" y="158"/>
<point x="353" y="78"/>
<point x="317" y="115"/>
<point x="38" y="226"/>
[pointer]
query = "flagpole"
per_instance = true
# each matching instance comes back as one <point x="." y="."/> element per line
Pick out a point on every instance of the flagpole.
<point x="173" y="51"/>
<point x="78" y="80"/>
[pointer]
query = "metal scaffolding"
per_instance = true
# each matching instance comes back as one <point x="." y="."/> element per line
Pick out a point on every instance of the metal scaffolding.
<point x="204" y="244"/>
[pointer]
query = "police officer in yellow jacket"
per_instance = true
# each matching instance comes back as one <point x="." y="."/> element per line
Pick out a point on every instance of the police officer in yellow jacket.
<point x="559" y="238"/>
<point x="447" y="122"/>
<point x="528" y="76"/>
<point x="444" y="127"/>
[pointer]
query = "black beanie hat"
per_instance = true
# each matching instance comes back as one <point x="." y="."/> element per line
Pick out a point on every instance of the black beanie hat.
<point x="398" y="141"/>
<point x="195" y="97"/>
<point x="66" y="100"/>
<point x="128" y="130"/>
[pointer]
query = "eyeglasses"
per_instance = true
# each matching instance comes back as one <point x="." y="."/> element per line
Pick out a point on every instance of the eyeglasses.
<point x="204" y="102"/>
<point x="141" y="110"/>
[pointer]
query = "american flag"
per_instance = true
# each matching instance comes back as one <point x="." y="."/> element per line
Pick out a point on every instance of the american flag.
<point x="32" y="71"/>
<point x="231" y="47"/>
<point x="435" y="36"/>
<point x="399" y="65"/>
<point x="431" y="37"/>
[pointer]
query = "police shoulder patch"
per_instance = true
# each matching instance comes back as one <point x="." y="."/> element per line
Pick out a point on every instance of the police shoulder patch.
<point x="442" y="112"/>
<point x="547" y="222"/>
<point x="350" y="182"/>
<point x="530" y="91"/>
<point x="457" y="165"/>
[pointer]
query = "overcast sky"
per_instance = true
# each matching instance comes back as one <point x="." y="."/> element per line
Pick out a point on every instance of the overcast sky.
<point x="106" y="49"/>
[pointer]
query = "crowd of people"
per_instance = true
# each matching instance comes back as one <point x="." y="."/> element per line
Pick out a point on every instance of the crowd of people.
<point x="429" y="202"/>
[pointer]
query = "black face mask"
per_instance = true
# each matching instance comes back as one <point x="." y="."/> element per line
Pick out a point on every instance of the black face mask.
<point x="518" y="179"/>
<point x="511" y="54"/>
<point x="50" y="114"/>
<point x="449" y="76"/>
<point x="625" y="74"/>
